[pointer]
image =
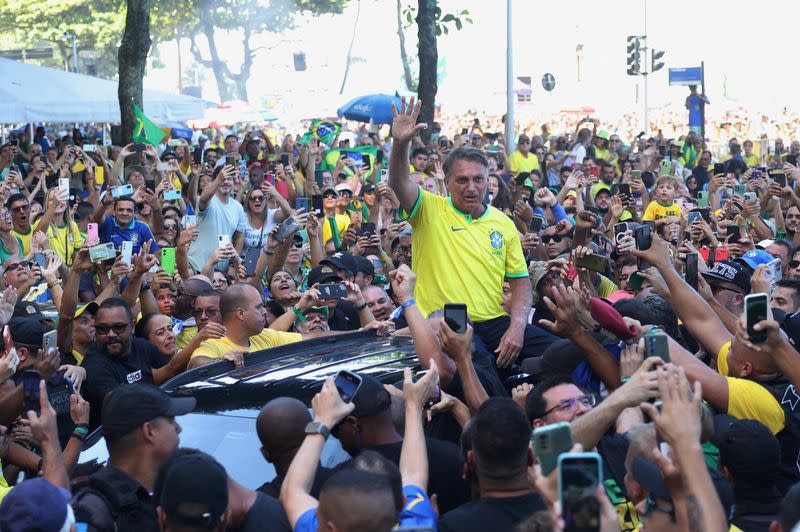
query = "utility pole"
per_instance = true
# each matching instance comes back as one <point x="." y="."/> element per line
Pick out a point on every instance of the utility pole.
<point x="511" y="142"/>
<point x="74" y="38"/>
<point x="638" y="56"/>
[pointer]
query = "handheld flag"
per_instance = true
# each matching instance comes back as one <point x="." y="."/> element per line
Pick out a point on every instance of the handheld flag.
<point x="363" y="157"/>
<point x="323" y="130"/>
<point x="145" y="131"/>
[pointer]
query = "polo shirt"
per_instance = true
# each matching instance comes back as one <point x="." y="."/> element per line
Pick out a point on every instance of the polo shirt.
<point x="217" y="347"/>
<point x="520" y="163"/>
<point x="137" y="232"/>
<point x="461" y="259"/>
<point x="25" y="238"/>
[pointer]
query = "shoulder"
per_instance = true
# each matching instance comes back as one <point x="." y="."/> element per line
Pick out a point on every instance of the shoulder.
<point x="90" y="507"/>
<point x="272" y="337"/>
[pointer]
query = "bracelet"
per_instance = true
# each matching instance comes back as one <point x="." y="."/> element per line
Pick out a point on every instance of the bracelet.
<point x="399" y="310"/>
<point x="80" y="432"/>
<point x="54" y="283"/>
<point x="624" y="380"/>
<point x="362" y="307"/>
<point x="299" y="314"/>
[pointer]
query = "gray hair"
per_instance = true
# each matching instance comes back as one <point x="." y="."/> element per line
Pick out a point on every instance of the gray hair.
<point x="466" y="153"/>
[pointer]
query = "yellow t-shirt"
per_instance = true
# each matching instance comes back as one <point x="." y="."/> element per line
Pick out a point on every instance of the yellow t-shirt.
<point x="748" y="399"/>
<point x="65" y="240"/>
<point x="342" y="223"/>
<point x="753" y="160"/>
<point x="520" y="163"/>
<point x="459" y="259"/>
<point x="184" y="337"/>
<point x="655" y="211"/>
<point x="267" y="338"/>
<point x="78" y="357"/>
<point x="25" y="238"/>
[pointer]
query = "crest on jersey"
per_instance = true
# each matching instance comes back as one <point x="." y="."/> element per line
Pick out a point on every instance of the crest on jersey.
<point x="496" y="238"/>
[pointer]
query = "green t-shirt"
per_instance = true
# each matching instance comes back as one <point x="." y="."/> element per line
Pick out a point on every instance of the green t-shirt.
<point x="6" y="254"/>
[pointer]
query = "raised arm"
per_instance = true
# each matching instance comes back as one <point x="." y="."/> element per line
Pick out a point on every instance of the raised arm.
<point x="459" y="347"/>
<point x="414" y="453"/>
<point x="404" y="128"/>
<point x="227" y="171"/>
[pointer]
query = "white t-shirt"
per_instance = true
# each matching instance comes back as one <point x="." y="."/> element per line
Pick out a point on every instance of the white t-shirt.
<point x="218" y="219"/>
<point x="578" y="153"/>
<point x="251" y="234"/>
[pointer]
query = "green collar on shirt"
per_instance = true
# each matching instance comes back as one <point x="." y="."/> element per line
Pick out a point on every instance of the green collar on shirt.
<point x="468" y="217"/>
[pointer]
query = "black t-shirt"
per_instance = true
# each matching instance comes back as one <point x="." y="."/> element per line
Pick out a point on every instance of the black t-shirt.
<point x="266" y="515"/>
<point x="58" y="392"/>
<point x="104" y="373"/>
<point x="613" y="448"/>
<point x="445" y="469"/>
<point x="273" y="487"/>
<point x="344" y="317"/>
<point x="497" y="515"/>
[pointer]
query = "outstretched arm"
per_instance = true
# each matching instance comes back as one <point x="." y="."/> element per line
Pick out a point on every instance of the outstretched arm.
<point x="404" y="128"/>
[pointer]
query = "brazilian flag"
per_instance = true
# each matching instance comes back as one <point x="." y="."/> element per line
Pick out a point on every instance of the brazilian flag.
<point x="361" y="156"/>
<point x="323" y="130"/>
<point x="145" y="131"/>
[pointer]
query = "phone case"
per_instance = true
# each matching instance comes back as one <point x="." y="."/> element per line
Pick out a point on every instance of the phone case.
<point x="549" y="442"/>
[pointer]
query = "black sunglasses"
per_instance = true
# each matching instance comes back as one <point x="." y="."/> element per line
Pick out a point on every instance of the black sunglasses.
<point x="14" y="266"/>
<point x="546" y="239"/>
<point x="118" y="328"/>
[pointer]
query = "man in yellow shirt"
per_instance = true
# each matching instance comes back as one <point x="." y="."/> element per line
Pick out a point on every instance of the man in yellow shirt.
<point x="20" y="209"/>
<point x="522" y="160"/>
<point x="463" y="250"/>
<point x="244" y="317"/>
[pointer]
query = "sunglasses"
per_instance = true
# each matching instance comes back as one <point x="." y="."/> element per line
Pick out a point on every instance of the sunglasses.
<point x="793" y="264"/>
<point x="169" y="227"/>
<point x="21" y="208"/>
<point x="16" y="265"/>
<point x="197" y="313"/>
<point x="546" y="239"/>
<point x="118" y="328"/>
<point x="257" y="198"/>
<point x="329" y="195"/>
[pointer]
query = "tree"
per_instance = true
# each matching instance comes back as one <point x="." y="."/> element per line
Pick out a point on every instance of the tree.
<point x="132" y="60"/>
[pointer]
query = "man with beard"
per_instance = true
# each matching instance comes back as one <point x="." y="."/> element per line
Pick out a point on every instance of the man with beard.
<point x="118" y="358"/>
<point x="601" y="193"/>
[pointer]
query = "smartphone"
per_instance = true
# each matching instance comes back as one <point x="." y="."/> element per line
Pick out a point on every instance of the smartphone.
<point x="691" y="269"/>
<point x="625" y="189"/>
<point x="230" y="160"/>
<point x="332" y="291"/>
<point x="549" y="442"/>
<point x="594" y="171"/>
<point x="120" y="191"/>
<point x="49" y="340"/>
<point x="719" y="168"/>
<point x="127" y="252"/>
<point x="464" y="131"/>
<point x="172" y="195"/>
<point x="30" y="391"/>
<point x="102" y="252"/>
<point x="384" y="175"/>
<point x="755" y="310"/>
<point x="40" y="260"/>
<point x="692" y="217"/>
<point x="702" y="198"/>
<point x="619" y="231"/>
<point x="435" y="397"/>
<point x="301" y="203"/>
<point x="705" y="212"/>
<point x="92" y="233"/>
<point x="89" y="148"/>
<point x="721" y="254"/>
<point x="579" y="476"/>
<point x="734" y="233"/>
<point x="666" y="167"/>
<point x="242" y="169"/>
<point x="739" y="190"/>
<point x="595" y="263"/>
<point x="287" y="227"/>
<point x="455" y="315"/>
<point x="779" y="178"/>
<point x="657" y="345"/>
<point x="63" y="188"/>
<point x="347" y="384"/>
<point x="750" y="196"/>
<point x="316" y="204"/>
<point x="189" y="219"/>
<point x="168" y="260"/>
<point x="536" y="224"/>
<point x="284" y="159"/>
<point x="139" y="148"/>
<point x="223" y="240"/>
<point x="777" y="271"/>
<point x="643" y="236"/>
<point x="367" y="229"/>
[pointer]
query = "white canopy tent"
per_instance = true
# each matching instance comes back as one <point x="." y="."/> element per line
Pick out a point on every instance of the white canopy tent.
<point x="32" y="94"/>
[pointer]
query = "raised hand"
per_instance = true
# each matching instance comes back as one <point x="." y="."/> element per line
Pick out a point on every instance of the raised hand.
<point x="404" y="126"/>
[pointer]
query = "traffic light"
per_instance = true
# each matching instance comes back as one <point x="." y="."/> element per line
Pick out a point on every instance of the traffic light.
<point x="655" y="64"/>
<point x="634" y="55"/>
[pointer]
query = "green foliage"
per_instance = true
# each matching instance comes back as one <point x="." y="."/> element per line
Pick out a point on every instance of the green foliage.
<point x="442" y="20"/>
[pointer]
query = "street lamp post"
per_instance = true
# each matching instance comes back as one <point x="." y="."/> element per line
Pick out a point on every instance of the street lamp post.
<point x="74" y="38"/>
<point x="510" y="140"/>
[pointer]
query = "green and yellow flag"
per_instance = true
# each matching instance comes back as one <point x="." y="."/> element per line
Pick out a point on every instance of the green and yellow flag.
<point x="323" y="130"/>
<point x="145" y="131"/>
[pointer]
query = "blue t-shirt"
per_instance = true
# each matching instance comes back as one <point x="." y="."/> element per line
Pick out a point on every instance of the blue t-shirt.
<point x="417" y="512"/>
<point x="137" y="232"/>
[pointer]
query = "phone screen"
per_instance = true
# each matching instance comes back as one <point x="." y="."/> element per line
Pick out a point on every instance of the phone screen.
<point x="579" y="477"/>
<point x="734" y="233"/>
<point x="30" y="391"/>
<point x="347" y="383"/>
<point x="316" y="203"/>
<point x="755" y="310"/>
<point x="536" y="224"/>
<point x="625" y="189"/>
<point x="691" y="269"/>
<point x="301" y="203"/>
<point x="332" y="291"/>
<point x="455" y="315"/>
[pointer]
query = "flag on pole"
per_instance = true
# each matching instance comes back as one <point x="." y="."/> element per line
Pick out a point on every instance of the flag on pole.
<point x="323" y="130"/>
<point x="145" y="131"/>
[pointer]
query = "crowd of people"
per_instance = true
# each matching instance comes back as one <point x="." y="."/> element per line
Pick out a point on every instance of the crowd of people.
<point x="611" y="286"/>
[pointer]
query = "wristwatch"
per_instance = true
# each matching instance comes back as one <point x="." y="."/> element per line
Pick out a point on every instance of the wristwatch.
<point x="315" y="427"/>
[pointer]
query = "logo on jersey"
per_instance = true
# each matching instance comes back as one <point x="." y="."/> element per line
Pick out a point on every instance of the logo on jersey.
<point x="790" y="398"/>
<point x="134" y="377"/>
<point x="496" y="238"/>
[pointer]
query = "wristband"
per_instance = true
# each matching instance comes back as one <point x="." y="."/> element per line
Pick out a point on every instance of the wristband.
<point x="80" y="432"/>
<point x="624" y="380"/>
<point x="399" y="310"/>
<point x="361" y="307"/>
<point x="299" y="314"/>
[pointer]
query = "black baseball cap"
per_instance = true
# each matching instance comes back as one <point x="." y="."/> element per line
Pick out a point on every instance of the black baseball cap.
<point x="747" y="448"/>
<point x="128" y="406"/>
<point x="371" y="398"/>
<point x="364" y="265"/>
<point x="728" y="272"/>
<point x="27" y="309"/>
<point x="194" y="491"/>
<point x="322" y="274"/>
<point x="27" y="331"/>
<point x="367" y="188"/>
<point x="341" y="260"/>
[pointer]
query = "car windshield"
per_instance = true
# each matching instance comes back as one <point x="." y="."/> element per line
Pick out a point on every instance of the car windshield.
<point x="233" y="441"/>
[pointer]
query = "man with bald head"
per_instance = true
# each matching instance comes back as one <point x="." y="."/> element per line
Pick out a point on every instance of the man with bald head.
<point x="378" y="301"/>
<point x="185" y="326"/>
<point x="281" y="428"/>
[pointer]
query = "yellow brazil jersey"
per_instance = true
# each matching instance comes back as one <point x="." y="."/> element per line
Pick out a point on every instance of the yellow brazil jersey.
<point x="25" y="238"/>
<point x="264" y="340"/>
<point x="183" y="338"/>
<point x="460" y="259"/>
<point x="65" y="240"/>
<point x="342" y="223"/>
<point x="519" y="163"/>
<point x="753" y="160"/>
<point x="748" y="399"/>
<point x="656" y="210"/>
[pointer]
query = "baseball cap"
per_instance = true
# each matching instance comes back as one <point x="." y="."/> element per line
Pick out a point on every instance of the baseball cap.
<point x="36" y="504"/>
<point x="26" y="330"/>
<point x="747" y="448"/>
<point x="371" y="397"/>
<point x="364" y="265"/>
<point x="128" y="406"/>
<point x="328" y="189"/>
<point x="90" y="307"/>
<point x="194" y="490"/>
<point x="368" y="187"/>
<point x="537" y="271"/>
<point x="342" y="188"/>
<point x="754" y="258"/>
<point x="600" y="187"/>
<point x="731" y="272"/>
<point x="27" y="309"/>
<point x="528" y="184"/>
<point x="322" y="274"/>
<point x="764" y="244"/>
<point x="341" y="260"/>
<point x="602" y="134"/>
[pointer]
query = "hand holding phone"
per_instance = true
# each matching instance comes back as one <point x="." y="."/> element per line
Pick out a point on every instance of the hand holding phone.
<point x="756" y="309"/>
<point x="455" y="316"/>
<point x="579" y="476"/>
<point x="347" y="384"/>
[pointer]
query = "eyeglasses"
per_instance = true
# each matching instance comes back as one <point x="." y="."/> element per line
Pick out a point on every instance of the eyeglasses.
<point x="118" y="328"/>
<point x="568" y="405"/>
<point x="20" y="208"/>
<point x="298" y="245"/>
<point x="210" y="312"/>
<point x="169" y="227"/>
<point x="15" y="265"/>
<point x="257" y="198"/>
<point x="330" y="195"/>
<point x="546" y="239"/>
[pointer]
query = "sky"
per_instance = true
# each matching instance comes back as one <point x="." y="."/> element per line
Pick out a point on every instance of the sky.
<point x="745" y="50"/>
